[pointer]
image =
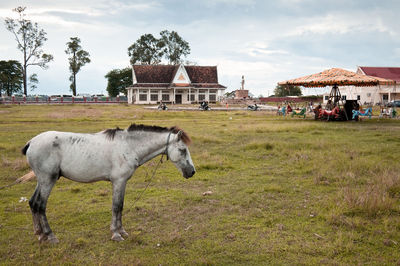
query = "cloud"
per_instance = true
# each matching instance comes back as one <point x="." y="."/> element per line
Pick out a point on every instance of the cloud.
<point x="342" y="23"/>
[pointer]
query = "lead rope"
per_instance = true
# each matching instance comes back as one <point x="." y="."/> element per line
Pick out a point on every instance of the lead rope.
<point x="10" y="185"/>
<point x="154" y="172"/>
<point x="151" y="178"/>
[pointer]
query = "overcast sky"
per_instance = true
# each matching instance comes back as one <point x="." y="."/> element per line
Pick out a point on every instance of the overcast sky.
<point x="266" y="41"/>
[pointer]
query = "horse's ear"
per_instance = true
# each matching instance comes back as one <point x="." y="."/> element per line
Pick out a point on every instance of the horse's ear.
<point x="179" y="134"/>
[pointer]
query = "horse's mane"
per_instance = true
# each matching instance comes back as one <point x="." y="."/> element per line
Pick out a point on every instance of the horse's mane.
<point x="110" y="133"/>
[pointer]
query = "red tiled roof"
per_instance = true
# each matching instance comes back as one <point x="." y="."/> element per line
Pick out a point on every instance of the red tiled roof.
<point x="202" y="74"/>
<point x="162" y="75"/>
<point x="154" y="73"/>
<point x="392" y="73"/>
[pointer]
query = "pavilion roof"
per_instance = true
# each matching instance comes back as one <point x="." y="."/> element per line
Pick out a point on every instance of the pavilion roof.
<point x="336" y="76"/>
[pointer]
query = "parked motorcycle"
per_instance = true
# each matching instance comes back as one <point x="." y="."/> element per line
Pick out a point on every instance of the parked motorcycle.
<point x="204" y="106"/>
<point x="253" y="107"/>
<point x="162" y="107"/>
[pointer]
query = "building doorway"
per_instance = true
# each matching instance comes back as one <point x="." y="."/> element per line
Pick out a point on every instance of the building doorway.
<point x="178" y="98"/>
<point x="385" y="98"/>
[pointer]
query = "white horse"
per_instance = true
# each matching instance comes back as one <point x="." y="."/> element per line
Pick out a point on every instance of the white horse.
<point x="112" y="155"/>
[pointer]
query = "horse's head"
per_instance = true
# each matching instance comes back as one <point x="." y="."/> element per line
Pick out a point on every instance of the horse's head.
<point x="179" y="154"/>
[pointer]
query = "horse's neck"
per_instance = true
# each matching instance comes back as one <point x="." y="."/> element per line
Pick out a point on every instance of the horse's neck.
<point x="151" y="145"/>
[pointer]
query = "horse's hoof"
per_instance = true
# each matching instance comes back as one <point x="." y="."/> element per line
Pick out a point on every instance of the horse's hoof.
<point x="52" y="239"/>
<point x="123" y="233"/>
<point x="117" y="237"/>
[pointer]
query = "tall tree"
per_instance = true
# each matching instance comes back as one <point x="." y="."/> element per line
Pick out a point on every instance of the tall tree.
<point x="30" y="39"/>
<point x="78" y="59"/>
<point x="146" y="50"/>
<point x="150" y="50"/>
<point x="287" y="90"/>
<point x="11" y="77"/>
<point x="118" y="80"/>
<point x="174" y="47"/>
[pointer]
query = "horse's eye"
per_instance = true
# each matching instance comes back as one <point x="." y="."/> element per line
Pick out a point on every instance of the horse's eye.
<point x="182" y="151"/>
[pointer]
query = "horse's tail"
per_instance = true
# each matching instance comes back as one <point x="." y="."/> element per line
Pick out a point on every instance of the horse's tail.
<point x="25" y="148"/>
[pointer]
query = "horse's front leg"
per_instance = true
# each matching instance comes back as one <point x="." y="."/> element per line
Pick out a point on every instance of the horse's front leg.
<point x="117" y="206"/>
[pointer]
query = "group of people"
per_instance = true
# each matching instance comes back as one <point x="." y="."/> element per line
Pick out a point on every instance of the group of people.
<point x="388" y="112"/>
<point x="288" y="107"/>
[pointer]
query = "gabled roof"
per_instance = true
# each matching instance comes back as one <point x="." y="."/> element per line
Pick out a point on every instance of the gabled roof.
<point x="163" y="75"/>
<point x="392" y="73"/>
<point x="154" y="73"/>
<point x="202" y="74"/>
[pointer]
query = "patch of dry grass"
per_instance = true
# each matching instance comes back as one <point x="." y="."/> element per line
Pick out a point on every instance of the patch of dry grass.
<point x="17" y="164"/>
<point x="376" y="198"/>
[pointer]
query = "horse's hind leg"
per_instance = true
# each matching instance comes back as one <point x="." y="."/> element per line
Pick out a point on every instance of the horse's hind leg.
<point x="37" y="228"/>
<point x="38" y="204"/>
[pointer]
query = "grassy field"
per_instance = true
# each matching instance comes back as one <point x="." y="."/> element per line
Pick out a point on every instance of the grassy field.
<point x="284" y="191"/>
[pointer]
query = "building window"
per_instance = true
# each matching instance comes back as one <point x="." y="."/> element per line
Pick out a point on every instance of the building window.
<point x="191" y="97"/>
<point x="213" y="97"/>
<point x="165" y="97"/>
<point x="202" y="97"/>
<point x="358" y="97"/>
<point x="344" y="97"/>
<point x="368" y="94"/>
<point x="213" y="91"/>
<point x="143" y="91"/>
<point x="154" y="97"/>
<point x="142" y="97"/>
<point x="326" y="97"/>
<point x="385" y="97"/>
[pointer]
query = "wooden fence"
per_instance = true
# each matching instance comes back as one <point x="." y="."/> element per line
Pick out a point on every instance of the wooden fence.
<point x="62" y="100"/>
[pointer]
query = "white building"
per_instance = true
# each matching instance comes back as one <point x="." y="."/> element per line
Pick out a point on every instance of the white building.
<point x="384" y="92"/>
<point x="176" y="84"/>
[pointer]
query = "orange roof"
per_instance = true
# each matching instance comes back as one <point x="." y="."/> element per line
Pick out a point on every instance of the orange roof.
<point x="336" y="76"/>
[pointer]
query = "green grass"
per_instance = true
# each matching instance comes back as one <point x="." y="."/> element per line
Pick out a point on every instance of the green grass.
<point x="284" y="191"/>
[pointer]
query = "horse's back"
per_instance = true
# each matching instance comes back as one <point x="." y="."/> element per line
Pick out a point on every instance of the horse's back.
<point x="66" y="152"/>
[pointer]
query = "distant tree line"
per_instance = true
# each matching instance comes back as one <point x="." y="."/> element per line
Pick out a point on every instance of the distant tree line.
<point x="287" y="90"/>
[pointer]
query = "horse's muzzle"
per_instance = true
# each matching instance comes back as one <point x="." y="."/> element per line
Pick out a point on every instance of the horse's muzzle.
<point x="189" y="174"/>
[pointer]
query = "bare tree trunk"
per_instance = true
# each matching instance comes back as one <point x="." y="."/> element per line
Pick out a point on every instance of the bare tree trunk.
<point x="74" y="86"/>
<point x="24" y="75"/>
